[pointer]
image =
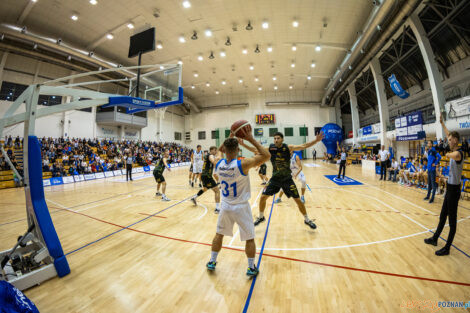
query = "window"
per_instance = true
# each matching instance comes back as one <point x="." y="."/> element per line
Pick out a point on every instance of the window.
<point x="272" y="131"/>
<point x="303" y="131"/>
<point x="201" y="135"/>
<point x="11" y="91"/>
<point x="177" y="136"/>
<point x="188" y="136"/>
<point x="49" y="100"/>
<point x="227" y="133"/>
<point x="289" y="131"/>
<point x="215" y="134"/>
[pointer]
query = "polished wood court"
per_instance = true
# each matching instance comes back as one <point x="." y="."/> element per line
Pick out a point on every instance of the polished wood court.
<point x="367" y="254"/>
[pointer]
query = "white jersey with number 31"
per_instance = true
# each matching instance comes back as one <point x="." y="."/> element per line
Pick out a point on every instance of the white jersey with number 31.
<point x="234" y="184"/>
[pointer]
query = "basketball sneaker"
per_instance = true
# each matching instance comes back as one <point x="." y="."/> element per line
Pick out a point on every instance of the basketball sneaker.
<point x="443" y="251"/>
<point x="211" y="266"/>
<point x="252" y="271"/>
<point x="311" y="224"/>
<point x="192" y="184"/>
<point x="216" y="211"/>
<point x="158" y="193"/>
<point x="164" y="198"/>
<point x="278" y="200"/>
<point x="193" y="199"/>
<point x="302" y="198"/>
<point x="259" y="220"/>
<point x="431" y="241"/>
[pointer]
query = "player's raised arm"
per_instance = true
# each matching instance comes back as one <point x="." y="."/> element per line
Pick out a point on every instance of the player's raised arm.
<point x="446" y="131"/>
<point x="243" y="144"/>
<point x="261" y="154"/>
<point x="306" y="145"/>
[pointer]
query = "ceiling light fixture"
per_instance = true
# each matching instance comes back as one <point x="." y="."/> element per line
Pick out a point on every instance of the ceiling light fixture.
<point x="252" y="67"/>
<point x="194" y="36"/>
<point x="260" y="88"/>
<point x="207" y="84"/>
<point x="222" y="54"/>
<point x="162" y="67"/>
<point x="318" y="48"/>
<point x="275" y="87"/>
<point x="309" y="77"/>
<point x="245" y="51"/>
<point x="240" y="80"/>
<point x="249" y="27"/>
<point x="224" y="82"/>
<point x="265" y="25"/>
<point x="274" y="78"/>
<point x="196" y="74"/>
<point x="256" y="79"/>
<point x="110" y="36"/>
<point x="228" y="43"/>
<point x="294" y="48"/>
<point x="200" y="58"/>
<point x="211" y="56"/>
<point x="181" y="39"/>
<point x="257" y="49"/>
<point x="159" y="45"/>
<point x="208" y="33"/>
<point x="290" y="87"/>
<point x="270" y="49"/>
<point x="186" y="4"/>
<point x="313" y="64"/>
<point x="180" y="62"/>
<point x="216" y="92"/>
<point x="74" y="17"/>
<point x="130" y="26"/>
<point x="292" y="64"/>
<point x="94" y="2"/>
<point x="295" y="23"/>
<point x="192" y="87"/>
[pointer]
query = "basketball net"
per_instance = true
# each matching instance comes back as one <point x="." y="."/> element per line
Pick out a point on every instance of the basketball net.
<point x="161" y="112"/>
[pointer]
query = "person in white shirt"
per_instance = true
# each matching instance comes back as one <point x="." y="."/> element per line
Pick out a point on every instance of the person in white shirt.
<point x="197" y="162"/>
<point x="235" y="190"/>
<point x="383" y="155"/>
<point x="394" y="170"/>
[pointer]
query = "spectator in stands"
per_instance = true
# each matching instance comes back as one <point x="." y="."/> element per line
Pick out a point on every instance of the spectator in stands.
<point x="394" y="170"/>
<point x="433" y="159"/>
<point x="16" y="179"/>
<point x="17" y="142"/>
<point x="465" y="147"/>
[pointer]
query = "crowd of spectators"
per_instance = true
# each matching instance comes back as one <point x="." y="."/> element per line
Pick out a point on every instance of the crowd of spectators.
<point x="73" y="156"/>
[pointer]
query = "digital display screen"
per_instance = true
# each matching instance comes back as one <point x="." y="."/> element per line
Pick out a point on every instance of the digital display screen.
<point x="142" y="42"/>
<point x="265" y="119"/>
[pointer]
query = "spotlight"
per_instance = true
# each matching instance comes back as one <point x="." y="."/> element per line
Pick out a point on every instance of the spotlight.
<point x="240" y="80"/>
<point x="244" y="51"/>
<point x="257" y="49"/>
<point x="208" y="33"/>
<point x="162" y="67"/>
<point x="130" y="26"/>
<point x="290" y="87"/>
<point x="94" y="2"/>
<point x="180" y="62"/>
<point x="275" y="87"/>
<point x="216" y="92"/>
<point x="192" y="87"/>
<point x="294" y="48"/>
<point x="59" y="41"/>
<point x="260" y="88"/>
<point x="292" y="64"/>
<point x="256" y="79"/>
<point x="252" y="67"/>
<point x="295" y="23"/>
<point x="200" y="58"/>
<point x="35" y="46"/>
<point x="181" y="39"/>
<point x="159" y="45"/>
<point x="91" y="54"/>
<point x="313" y="64"/>
<point x="270" y="49"/>
<point x="186" y="4"/>
<point x="208" y="85"/>
<point x="309" y="77"/>
<point x="265" y="25"/>
<point x="74" y="17"/>
<point x="222" y="54"/>
<point x="274" y="77"/>
<point x="318" y="48"/>
<point x="249" y="27"/>
<point x="224" y="82"/>
<point x="69" y="58"/>
<point x="194" y="36"/>
<point x="196" y="74"/>
<point x="228" y="43"/>
<point x="211" y="56"/>
<point x="110" y="36"/>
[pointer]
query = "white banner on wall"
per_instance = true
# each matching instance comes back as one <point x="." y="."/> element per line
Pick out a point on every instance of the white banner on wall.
<point x="459" y="107"/>
<point x="68" y="179"/>
<point x="89" y="176"/>
<point x="78" y="178"/>
<point x="99" y="175"/>
<point x="117" y="173"/>
<point x="109" y="174"/>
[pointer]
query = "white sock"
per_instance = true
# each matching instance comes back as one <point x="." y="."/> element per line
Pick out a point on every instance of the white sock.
<point x="306" y="218"/>
<point x="261" y="214"/>
<point x="251" y="262"/>
<point x="217" y="205"/>
<point x="214" y="256"/>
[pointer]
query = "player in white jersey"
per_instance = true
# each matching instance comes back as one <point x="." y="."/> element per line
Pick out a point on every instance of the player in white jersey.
<point x="296" y="168"/>
<point x="197" y="161"/>
<point x="235" y="206"/>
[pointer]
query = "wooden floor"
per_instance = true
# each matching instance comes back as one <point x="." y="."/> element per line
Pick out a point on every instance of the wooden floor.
<point x="367" y="254"/>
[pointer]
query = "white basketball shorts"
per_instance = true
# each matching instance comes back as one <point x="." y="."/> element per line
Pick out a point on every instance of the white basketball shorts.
<point x="240" y="214"/>
<point x="197" y="167"/>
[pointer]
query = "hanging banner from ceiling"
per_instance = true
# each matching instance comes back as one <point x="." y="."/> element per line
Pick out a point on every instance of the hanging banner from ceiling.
<point x="396" y="87"/>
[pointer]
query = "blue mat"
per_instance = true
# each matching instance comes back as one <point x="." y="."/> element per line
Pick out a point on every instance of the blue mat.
<point x="343" y="182"/>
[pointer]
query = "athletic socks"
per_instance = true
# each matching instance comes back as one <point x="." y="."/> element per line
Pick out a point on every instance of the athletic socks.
<point x="200" y="192"/>
<point x="214" y="256"/>
<point x="306" y="218"/>
<point x="261" y="214"/>
<point x="251" y="262"/>
<point x="217" y="205"/>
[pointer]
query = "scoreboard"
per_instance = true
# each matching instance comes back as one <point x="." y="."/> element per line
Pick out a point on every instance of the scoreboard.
<point x="265" y="119"/>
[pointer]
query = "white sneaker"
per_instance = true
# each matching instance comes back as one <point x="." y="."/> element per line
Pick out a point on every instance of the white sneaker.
<point x="164" y="198"/>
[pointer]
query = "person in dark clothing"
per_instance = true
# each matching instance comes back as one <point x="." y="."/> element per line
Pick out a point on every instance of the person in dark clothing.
<point x="452" y="196"/>
<point x="129" y="161"/>
<point x="343" y="159"/>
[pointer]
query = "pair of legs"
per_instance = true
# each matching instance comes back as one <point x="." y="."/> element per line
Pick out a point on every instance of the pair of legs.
<point x="129" y="172"/>
<point x="161" y="182"/>
<point x="196" y="176"/>
<point x="342" y="166"/>
<point x="301" y="178"/>
<point x="383" y="170"/>
<point x="240" y="214"/>
<point x="449" y="208"/>
<point x="290" y="190"/>
<point x="432" y="185"/>
<point x="209" y="183"/>
<point x="264" y="178"/>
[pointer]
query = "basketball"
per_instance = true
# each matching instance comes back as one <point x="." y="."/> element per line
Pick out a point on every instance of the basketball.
<point x="239" y="125"/>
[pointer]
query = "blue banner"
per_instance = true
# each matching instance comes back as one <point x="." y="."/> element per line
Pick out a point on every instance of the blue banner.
<point x="147" y="168"/>
<point x="367" y="130"/>
<point x="56" y="181"/>
<point x="396" y="87"/>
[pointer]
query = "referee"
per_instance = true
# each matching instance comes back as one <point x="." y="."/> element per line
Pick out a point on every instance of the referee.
<point x="342" y="163"/>
<point x="452" y="196"/>
<point x="129" y="161"/>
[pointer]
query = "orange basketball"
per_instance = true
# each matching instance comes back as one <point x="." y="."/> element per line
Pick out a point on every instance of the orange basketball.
<point x="239" y="125"/>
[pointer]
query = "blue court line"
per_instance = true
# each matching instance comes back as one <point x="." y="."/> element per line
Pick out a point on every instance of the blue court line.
<point x="309" y="188"/>
<point x="117" y="231"/>
<point x="468" y="256"/>
<point x="247" y="303"/>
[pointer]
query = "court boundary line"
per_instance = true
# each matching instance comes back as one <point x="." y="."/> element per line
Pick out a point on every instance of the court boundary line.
<point x="253" y="282"/>
<point x="282" y="257"/>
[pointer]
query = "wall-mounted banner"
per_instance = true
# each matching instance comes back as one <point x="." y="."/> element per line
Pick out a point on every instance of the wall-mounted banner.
<point x="410" y="127"/>
<point x="367" y="130"/>
<point x="56" y="181"/>
<point x="396" y="87"/>
<point x="68" y="179"/>
<point x="99" y="175"/>
<point x="89" y="176"/>
<point x="459" y="107"/>
<point x="108" y="174"/>
<point x="78" y="178"/>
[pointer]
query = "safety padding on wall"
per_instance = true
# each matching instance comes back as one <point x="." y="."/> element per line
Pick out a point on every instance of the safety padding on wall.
<point x="41" y="210"/>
